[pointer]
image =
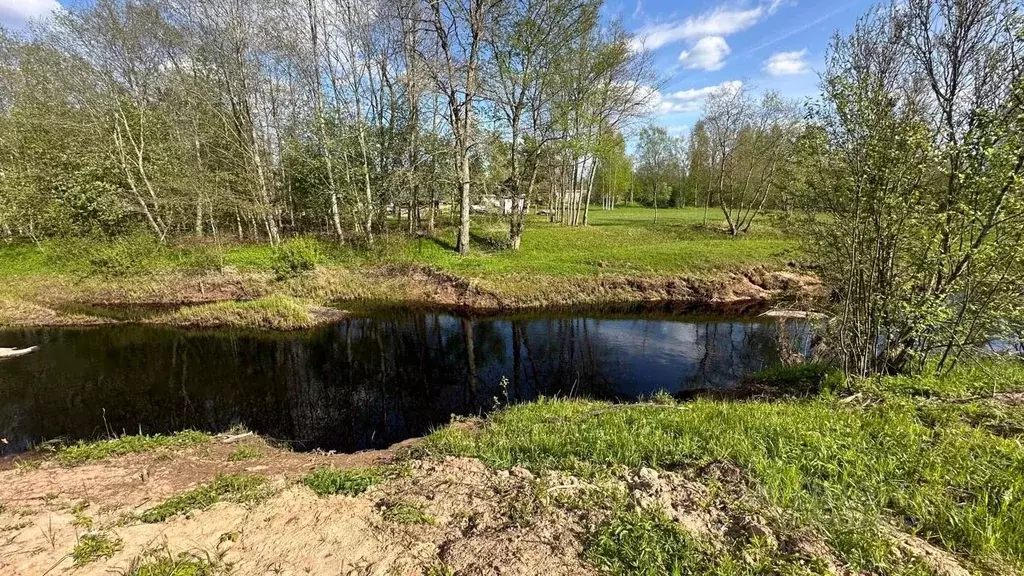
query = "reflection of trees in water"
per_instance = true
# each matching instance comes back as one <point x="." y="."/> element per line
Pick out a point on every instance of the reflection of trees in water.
<point x="362" y="382"/>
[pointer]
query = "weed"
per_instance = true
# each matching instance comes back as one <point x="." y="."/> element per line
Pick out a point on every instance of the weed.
<point x="404" y="512"/>
<point x="81" y="520"/>
<point x="23" y="465"/>
<point x="326" y="481"/>
<point x="163" y="563"/>
<point x="93" y="547"/>
<point x="88" y="451"/>
<point x="243" y="453"/>
<point x="242" y="489"/>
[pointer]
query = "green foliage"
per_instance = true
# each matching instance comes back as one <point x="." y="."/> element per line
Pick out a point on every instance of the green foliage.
<point x="166" y="564"/>
<point x="243" y="453"/>
<point x="404" y="512"/>
<point x="806" y="379"/>
<point x="840" y="468"/>
<point x="238" y="488"/>
<point x="295" y="257"/>
<point x="272" y="312"/>
<point x="93" y="547"/>
<point x="643" y="544"/>
<point x="87" y="451"/>
<point x="327" y="481"/>
<point x="915" y="214"/>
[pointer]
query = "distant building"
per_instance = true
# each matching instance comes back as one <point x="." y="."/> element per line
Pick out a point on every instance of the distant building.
<point x="496" y="205"/>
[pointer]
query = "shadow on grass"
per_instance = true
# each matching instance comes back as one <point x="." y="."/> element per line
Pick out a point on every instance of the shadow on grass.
<point x="491" y="243"/>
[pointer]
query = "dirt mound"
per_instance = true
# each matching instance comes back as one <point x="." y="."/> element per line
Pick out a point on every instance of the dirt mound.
<point x="431" y="517"/>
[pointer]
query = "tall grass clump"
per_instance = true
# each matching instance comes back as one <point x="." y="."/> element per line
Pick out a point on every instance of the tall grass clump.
<point x="82" y="452"/>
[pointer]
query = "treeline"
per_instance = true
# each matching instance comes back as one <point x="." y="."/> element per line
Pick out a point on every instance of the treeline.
<point x="261" y="119"/>
<point x="740" y="157"/>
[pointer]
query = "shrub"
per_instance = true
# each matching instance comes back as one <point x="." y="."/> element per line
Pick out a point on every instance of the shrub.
<point x="295" y="257"/>
<point x="122" y="257"/>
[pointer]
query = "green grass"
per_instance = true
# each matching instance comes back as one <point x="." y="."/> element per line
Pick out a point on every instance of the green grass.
<point x="273" y="312"/>
<point x="644" y="543"/>
<point x="623" y="241"/>
<point x="83" y="452"/>
<point x="166" y="564"/>
<point x="838" y="467"/>
<point x="328" y="481"/>
<point x="244" y="453"/>
<point x="238" y="488"/>
<point x="93" y="547"/>
<point x="404" y="512"/>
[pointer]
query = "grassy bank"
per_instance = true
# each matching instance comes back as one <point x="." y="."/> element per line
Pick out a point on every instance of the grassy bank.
<point x="920" y="476"/>
<point x="623" y="256"/>
<point x="939" y="459"/>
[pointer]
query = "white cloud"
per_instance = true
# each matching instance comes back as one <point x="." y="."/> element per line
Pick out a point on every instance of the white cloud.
<point x="17" y="13"/>
<point x="718" y="22"/>
<point x="707" y="54"/>
<point x="787" y="63"/>
<point x="690" y="100"/>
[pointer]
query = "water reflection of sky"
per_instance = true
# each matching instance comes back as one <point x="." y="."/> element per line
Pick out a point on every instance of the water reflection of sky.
<point x="363" y="382"/>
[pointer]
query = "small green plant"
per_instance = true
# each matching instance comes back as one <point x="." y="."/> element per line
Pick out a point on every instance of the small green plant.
<point x="404" y="512"/>
<point x="239" y="488"/>
<point x="163" y="563"/>
<point x="93" y="547"/>
<point x="81" y="520"/>
<point x="243" y="453"/>
<point x="326" y="481"/>
<point x="296" y="257"/>
<point x="663" y="398"/>
<point x="23" y="465"/>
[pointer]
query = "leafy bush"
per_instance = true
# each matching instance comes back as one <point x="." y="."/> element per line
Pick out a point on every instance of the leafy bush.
<point x="121" y="257"/>
<point x="295" y="257"/>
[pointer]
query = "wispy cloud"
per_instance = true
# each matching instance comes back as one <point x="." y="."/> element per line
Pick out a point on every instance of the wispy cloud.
<point x="17" y="13"/>
<point x="707" y="54"/>
<point x="787" y="64"/>
<point x="689" y="100"/>
<point x="718" y="22"/>
<point x="802" y="28"/>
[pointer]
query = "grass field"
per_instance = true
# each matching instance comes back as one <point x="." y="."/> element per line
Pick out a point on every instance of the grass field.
<point x="63" y="281"/>
<point x="623" y="241"/>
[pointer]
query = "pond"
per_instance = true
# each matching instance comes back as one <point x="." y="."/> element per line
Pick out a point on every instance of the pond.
<point x="364" y="382"/>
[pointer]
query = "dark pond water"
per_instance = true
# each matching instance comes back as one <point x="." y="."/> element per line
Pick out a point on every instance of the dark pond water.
<point x="361" y="383"/>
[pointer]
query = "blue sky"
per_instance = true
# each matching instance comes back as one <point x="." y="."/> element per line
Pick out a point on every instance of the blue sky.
<point x="696" y="44"/>
<point x="700" y="44"/>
